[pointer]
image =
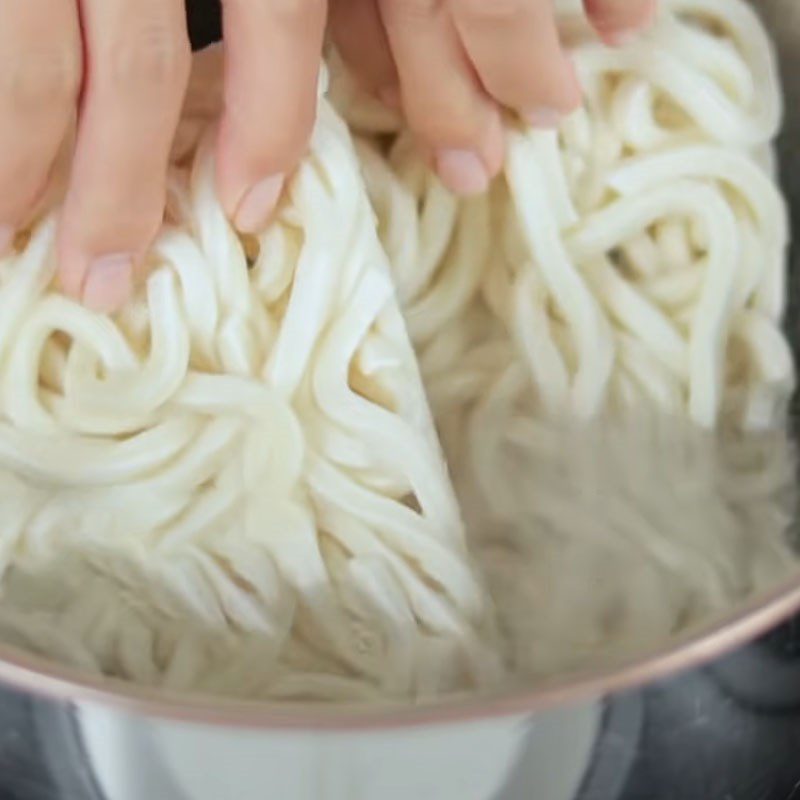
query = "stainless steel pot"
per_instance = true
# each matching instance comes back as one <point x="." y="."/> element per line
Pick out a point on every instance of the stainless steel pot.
<point x="465" y="748"/>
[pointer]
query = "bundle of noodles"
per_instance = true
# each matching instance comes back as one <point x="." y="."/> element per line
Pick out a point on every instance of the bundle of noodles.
<point x="600" y="336"/>
<point x="234" y="485"/>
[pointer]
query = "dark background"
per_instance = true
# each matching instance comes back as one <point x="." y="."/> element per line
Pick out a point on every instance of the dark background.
<point x="204" y="22"/>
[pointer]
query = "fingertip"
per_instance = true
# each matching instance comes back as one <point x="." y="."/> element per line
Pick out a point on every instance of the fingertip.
<point x="560" y="95"/>
<point x="248" y="196"/>
<point x="251" y="169"/>
<point x="462" y="171"/>
<point x="101" y="281"/>
<point x="620" y="22"/>
<point x="100" y="259"/>
<point x="390" y="97"/>
<point x="544" y="117"/>
<point x="468" y="172"/>
<point x="258" y="204"/>
<point x="108" y="283"/>
<point x="620" y="38"/>
<point x="273" y="54"/>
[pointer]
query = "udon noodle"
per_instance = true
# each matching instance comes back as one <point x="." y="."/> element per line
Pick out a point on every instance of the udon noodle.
<point x="638" y="255"/>
<point x="600" y="337"/>
<point x="235" y="485"/>
<point x="245" y="451"/>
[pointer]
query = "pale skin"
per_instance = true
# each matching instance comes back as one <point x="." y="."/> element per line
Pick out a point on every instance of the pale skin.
<point x="120" y="69"/>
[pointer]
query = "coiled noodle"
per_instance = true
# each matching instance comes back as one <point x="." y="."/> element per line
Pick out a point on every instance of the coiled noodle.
<point x="235" y="485"/>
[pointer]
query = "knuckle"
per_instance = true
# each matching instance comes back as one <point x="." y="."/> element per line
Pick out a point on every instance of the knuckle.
<point x="38" y="80"/>
<point x="157" y="57"/>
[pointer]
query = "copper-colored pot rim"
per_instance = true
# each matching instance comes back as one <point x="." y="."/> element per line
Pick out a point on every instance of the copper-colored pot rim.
<point x="754" y="617"/>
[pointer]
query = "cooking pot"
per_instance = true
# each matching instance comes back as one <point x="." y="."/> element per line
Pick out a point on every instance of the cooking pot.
<point x="152" y="743"/>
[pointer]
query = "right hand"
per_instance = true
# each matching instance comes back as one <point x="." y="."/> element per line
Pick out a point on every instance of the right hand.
<point x="452" y="64"/>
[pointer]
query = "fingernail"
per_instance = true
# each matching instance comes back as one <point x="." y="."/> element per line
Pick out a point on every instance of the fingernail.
<point x="544" y="118"/>
<point x="7" y="234"/>
<point x="257" y="205"/>
<point x="621" y="38"/>
<point x="390" y="97"/>
<point x="462" y="171"/>
<point x="108" y="282"/>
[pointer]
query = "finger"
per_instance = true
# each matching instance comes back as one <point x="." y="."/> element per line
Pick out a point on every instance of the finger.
<point x="137" y="64"/>
<point x="516" y="51"/>
<point x="357" y="30"/>
<point x="441" y="95"/>
<point x="40" y="66"/>
<point x="202" y="102"/>
<point x="619" y="21"/>
<point x="273" y="52"/>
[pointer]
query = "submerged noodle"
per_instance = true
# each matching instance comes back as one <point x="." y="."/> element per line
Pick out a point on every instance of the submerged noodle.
<point x="601" y="334"/>
<point x="242" y="460"/>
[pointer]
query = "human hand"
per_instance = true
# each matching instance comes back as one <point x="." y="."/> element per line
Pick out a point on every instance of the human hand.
<point x="110" y="76"/>
<point x="452" y="64"/>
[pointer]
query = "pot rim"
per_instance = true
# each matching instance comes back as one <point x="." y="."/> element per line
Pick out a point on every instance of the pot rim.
<point x="26" y="672"/>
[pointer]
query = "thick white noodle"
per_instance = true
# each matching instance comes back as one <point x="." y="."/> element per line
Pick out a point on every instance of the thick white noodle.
<point x="632" y="279"/>
<point x="665" y="235"/>
<point x="235" y="486"/>
<point x="238" y="473"/>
